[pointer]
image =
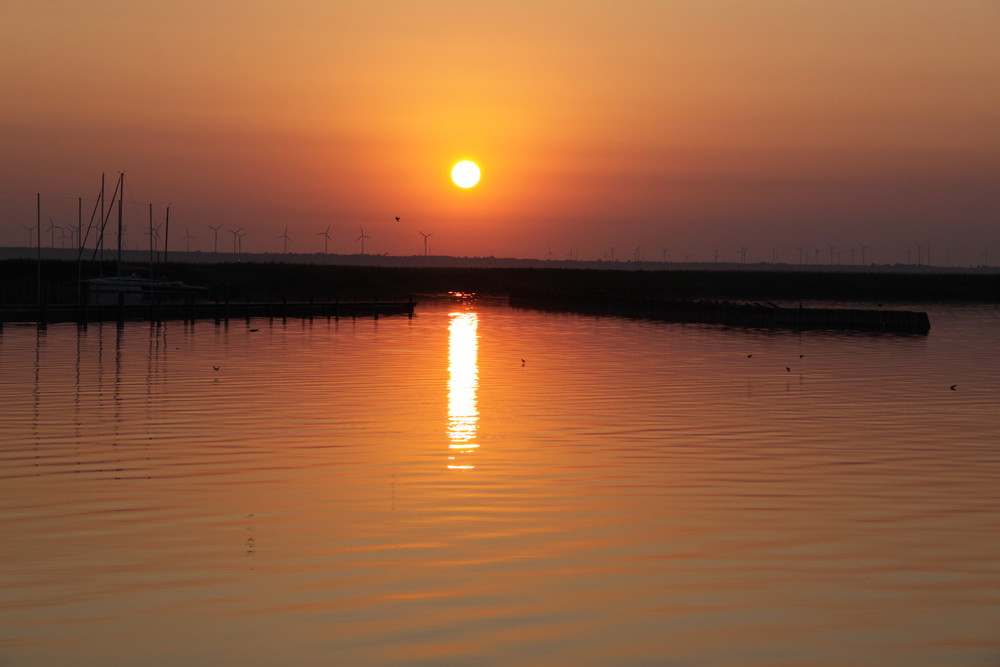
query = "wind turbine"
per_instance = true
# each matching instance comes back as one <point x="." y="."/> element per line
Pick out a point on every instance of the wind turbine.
<point x="31" y="235"/>
<point x="362" y="239"/>
<point x="851" y="247"/>
<point x="188" y="238"/>
<point x="743" y="254"/>
<point x="154" y="236"/>
<point x="326" y="239"/>
<point x="215" y="231"/>
<point x="426" y="236"/>
<point x="52" y="228"/>
<point x="863" y="248"/>
<point x="236" y="236"/>
<point x="240" y="234"/>
<point x="801" y="249"/>
<point x="613" y="252"/>
<point x="287" y="239"/>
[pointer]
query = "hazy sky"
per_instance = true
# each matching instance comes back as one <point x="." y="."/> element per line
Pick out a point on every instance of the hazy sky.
<point x="691" y="125"/>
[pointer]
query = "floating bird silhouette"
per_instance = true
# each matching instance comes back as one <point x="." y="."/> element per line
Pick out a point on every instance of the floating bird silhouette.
<point x="523" y="362"/>
<point x="254" y="330"/>
<point x="397" y="218"/>
<point x="788" y="369"/>
<point x="215" y="367"/>
<point x="749" y="355"/>
<point x="953" y="387"/>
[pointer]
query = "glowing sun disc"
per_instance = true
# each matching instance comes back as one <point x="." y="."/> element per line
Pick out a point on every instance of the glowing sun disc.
<point x="465" y="174"/>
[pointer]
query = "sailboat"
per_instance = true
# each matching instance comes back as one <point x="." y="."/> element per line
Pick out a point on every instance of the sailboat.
<point x="135" y="289"/>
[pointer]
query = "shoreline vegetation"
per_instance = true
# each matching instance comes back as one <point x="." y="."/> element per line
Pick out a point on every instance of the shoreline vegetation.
<point x="281" y="281"/>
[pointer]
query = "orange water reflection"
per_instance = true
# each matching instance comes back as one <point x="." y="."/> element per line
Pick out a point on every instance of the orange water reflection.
<point x="463" y="380"/>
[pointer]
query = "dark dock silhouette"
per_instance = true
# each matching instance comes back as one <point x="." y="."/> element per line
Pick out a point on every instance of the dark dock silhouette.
<point x="194" y="310"/>
<point x="749" y="315"/>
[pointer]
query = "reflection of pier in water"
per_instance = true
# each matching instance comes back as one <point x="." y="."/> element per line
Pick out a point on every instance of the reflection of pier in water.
<point x="463" y="380"/>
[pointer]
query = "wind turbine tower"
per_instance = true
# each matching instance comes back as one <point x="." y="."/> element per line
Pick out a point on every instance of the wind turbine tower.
<point x="236" y="237"/>
<point x="426" y="236"/>
<point x="326" y="239"/>
<point x="215" y="232"/>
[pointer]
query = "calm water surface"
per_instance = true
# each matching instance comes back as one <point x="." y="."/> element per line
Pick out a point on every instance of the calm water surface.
<point x="409" y="491"/>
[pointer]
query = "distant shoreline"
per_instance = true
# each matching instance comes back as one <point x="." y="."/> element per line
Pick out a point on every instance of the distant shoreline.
<point x="447" y="261"/>
<point x="240" y="280"/>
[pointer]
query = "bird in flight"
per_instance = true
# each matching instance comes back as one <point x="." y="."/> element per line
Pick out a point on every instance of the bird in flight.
<point x="397" y="218"/>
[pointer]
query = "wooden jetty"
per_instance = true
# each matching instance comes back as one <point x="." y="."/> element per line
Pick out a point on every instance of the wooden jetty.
<point x="749" y="315"/>
<point x="203" y="311"/>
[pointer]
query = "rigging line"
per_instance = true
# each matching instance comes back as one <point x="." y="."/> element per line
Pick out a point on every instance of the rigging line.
<point x="104" y="224"/>
<point x="90" y="225"/>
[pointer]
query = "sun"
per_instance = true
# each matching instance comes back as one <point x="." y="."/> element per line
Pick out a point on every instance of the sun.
<point x="465" y="174"/>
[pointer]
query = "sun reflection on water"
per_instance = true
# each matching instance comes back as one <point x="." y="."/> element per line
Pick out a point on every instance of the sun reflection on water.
<point x="463" y="380"/>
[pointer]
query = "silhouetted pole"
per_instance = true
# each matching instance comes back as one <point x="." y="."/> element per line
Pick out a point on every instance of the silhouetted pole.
<point x="79" y="254"/>
<point x="151" y="241"/>
<point x="166" y="236"/>
<point x="38" y="239"/>
<point x="100" y="236"/>
<point x="121" y="196"/>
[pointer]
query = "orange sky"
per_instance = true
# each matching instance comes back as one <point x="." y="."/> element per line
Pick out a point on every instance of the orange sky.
<point x="688" y="125"/>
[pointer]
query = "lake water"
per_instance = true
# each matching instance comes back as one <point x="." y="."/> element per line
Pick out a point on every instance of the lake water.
<point x="409" y="491"/>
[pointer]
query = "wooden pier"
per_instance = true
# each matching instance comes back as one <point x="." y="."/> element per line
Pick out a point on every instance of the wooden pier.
<point x="749" y="315"/>
<point x="203" y="311"/>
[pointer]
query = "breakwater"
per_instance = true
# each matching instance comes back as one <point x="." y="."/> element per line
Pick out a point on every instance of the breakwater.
<point x="750" y="315"/>
<point x="192" y="311"/>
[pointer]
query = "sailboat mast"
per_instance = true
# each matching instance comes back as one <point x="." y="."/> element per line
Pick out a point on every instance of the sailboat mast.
<point x="79" y="253"/>
<point x="38" y="244"/>
<point x="104" y="219"/>
<point x="166" y="237"/>
<point x="121" y="195"/>
<point x="151" y="250"/>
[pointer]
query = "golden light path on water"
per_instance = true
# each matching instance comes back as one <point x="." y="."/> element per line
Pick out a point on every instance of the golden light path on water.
<point x="463" y="380"/>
